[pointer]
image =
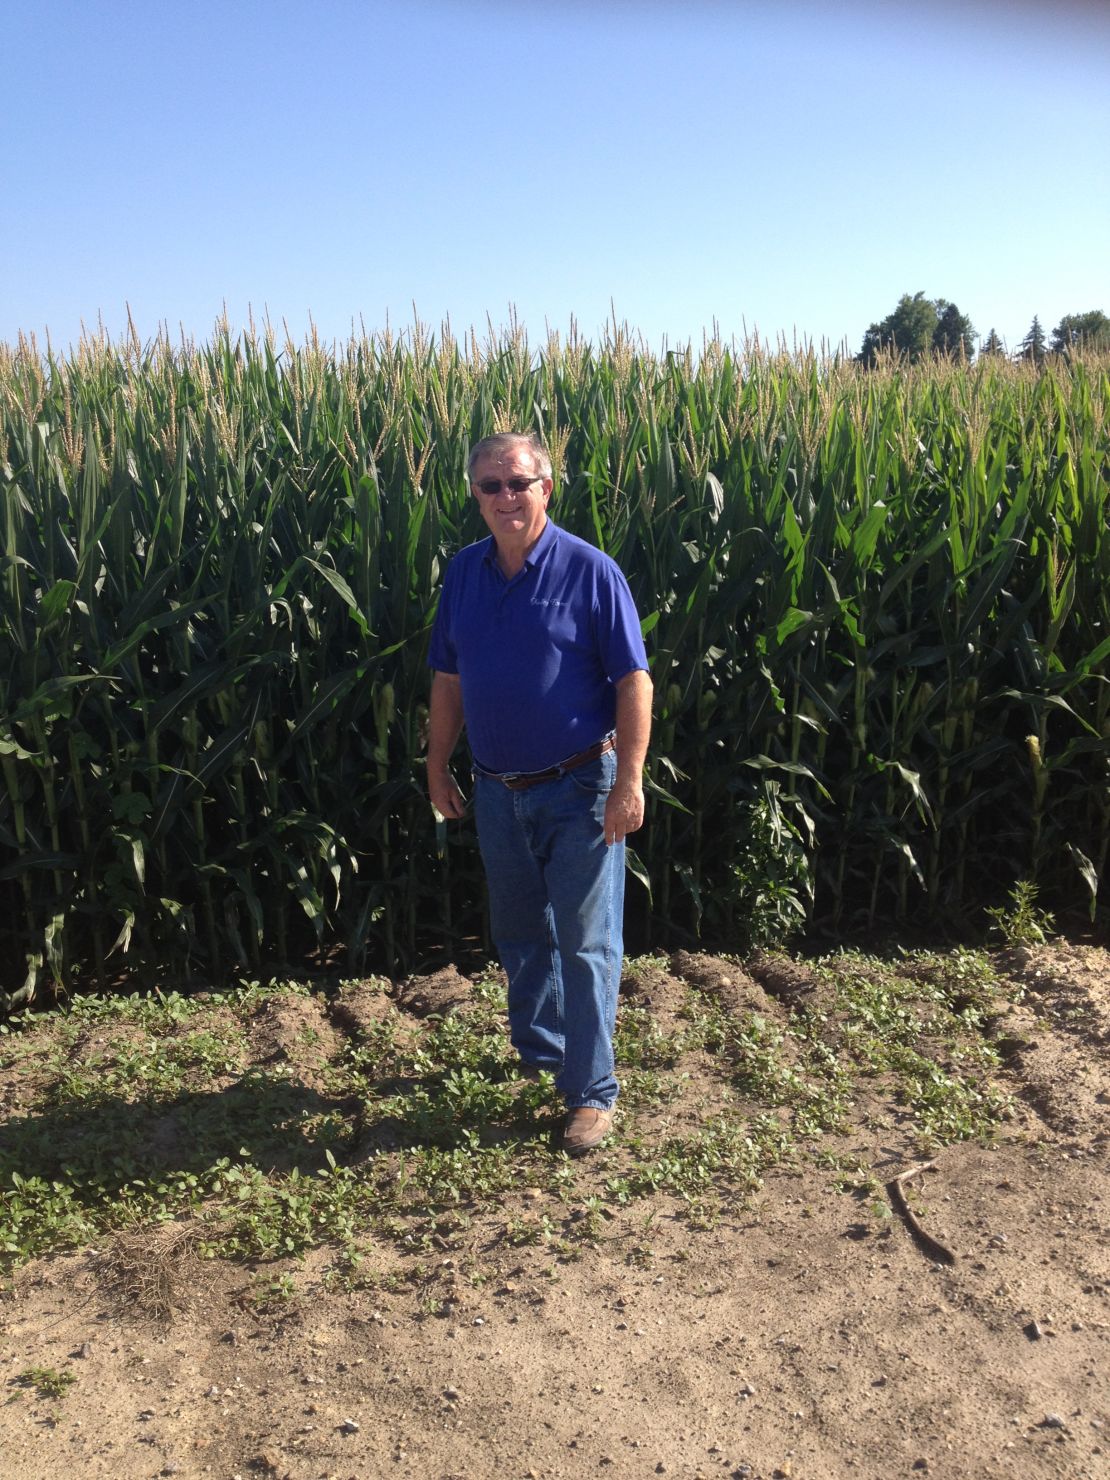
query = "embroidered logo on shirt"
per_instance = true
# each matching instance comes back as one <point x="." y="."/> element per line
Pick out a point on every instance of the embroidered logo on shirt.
<point x="547" y="601"/>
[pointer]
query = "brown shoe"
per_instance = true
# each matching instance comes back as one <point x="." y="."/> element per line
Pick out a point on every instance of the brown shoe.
<point x="585" y="1128"/>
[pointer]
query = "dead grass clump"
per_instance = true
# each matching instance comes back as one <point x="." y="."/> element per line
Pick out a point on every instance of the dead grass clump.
<point x="155" y="1269"/>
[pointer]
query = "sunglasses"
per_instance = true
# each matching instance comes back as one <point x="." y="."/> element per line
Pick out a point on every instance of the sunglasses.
<point x="492" y="486"/>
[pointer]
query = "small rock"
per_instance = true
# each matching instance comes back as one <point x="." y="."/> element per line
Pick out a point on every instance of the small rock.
<point x="999" y="1240"/>
<point x="84" y="1350"/>
<point x="1052" y="1421"/>
<point x="1033" y="1331"/>
<point x="451" y="1394"/>
<point x="921" y="1464"/>
<point x="660" y="1468"/>
<point x="348" y="1426"/>
<point x="212" y="1392"/>
<point x="230" y="1337"/>
<point x="747" y="1391"/>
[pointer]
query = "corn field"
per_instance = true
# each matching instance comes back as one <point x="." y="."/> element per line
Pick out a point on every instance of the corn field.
<point x="877" y="606"/>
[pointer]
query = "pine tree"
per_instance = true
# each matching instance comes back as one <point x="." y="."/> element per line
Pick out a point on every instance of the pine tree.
<point x="1032" y="347"/>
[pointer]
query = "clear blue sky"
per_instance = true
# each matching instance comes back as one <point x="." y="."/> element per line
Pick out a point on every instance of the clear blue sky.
<point x="791" y="167"/>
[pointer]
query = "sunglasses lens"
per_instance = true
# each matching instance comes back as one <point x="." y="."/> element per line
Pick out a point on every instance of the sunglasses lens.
<point x="492" y="486"/>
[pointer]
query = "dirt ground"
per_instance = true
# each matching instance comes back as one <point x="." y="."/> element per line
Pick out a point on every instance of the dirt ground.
<point x="796" y="1332"/>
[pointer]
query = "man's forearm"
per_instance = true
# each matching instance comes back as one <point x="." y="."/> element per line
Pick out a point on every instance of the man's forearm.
<point x="634" y="695"/>
<point x="445" y="721"/>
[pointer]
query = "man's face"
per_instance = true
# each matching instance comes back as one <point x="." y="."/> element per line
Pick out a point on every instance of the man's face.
<point x="516" y="520"/>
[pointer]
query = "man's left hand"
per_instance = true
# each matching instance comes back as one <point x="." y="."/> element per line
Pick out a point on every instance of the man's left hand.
<point x="624" y="811"/>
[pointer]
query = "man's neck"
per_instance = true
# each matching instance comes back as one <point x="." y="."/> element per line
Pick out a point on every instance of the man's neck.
<point x="511" y="557"/>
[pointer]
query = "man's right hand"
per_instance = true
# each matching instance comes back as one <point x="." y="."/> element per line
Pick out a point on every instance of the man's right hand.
<point x="445" y="796"/>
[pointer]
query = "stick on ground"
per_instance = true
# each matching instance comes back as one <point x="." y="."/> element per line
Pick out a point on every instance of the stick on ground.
<point x="924" y="1240"/>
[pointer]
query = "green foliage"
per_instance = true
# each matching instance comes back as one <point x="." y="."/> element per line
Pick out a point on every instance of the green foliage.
<point x="1032" y="347"/>
<point x="954" y="333"/>
<point x="218" y="568"/>
<point x="48" y="1382"/>
<point x="1090" y="330"/>
<point x="917" y="327"/>
<point x="1023" y="923"/>
<point x="257" y="1165"/>
<point x="773" y="874"/>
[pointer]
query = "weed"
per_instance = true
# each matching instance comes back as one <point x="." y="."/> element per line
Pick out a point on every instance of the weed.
<point x="136" y="1116"/>
<point x="640" y="1043"/>
<point x="48" y="1382"/>
<point x="773" y="879"/>
<point x="268" y="1294"/>
<point x="1023" y="924"/>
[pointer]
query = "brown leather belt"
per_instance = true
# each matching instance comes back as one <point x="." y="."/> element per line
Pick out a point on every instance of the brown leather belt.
<point x="519" y="780"/>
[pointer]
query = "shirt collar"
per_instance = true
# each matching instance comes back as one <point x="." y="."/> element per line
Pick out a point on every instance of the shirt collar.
<point x="539" y="551"/>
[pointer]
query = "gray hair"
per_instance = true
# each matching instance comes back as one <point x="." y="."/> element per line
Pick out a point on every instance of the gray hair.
<point x="503" y="441"/>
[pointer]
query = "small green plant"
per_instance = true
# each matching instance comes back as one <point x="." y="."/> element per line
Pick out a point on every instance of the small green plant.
<point x="272" y="1294"/>
<point x="48" y="1382"/>
<point x="1023" y="924"/>
<point x="773" y="878"/>
<point x="642" y="1044"/>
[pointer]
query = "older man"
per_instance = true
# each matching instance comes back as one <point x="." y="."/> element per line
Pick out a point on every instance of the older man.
<point x="537" y="648"/>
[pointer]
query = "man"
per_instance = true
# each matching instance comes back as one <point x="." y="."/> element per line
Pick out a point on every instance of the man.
<point x="537" y="648"/>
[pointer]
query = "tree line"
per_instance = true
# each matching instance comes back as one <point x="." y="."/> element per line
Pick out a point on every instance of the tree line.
<point x="921" y="326"/>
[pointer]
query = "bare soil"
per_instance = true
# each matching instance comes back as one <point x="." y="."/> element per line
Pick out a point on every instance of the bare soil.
<point x="795" y="1332"/>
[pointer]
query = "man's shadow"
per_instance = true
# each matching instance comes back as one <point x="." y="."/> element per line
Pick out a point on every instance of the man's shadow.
<point x="96" y="1145"/>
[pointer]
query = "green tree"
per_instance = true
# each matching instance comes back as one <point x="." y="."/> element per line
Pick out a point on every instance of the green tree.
<point x="992" y="345"/>
<point x="917" y="327"/>
<point x="1091" y="329"/>
<point x="1032" y="347"/>
<point x="954" y="333"/>
<point x="908" y="330"/>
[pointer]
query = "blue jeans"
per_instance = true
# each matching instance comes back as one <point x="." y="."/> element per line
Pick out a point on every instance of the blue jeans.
<point x="556" y="895"/>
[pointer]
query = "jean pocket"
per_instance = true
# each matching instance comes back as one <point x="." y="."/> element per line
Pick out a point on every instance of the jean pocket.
<point x="595" y="777"/>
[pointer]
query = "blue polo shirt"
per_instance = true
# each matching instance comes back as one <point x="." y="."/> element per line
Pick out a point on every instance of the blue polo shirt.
<point x="537" y="656"/>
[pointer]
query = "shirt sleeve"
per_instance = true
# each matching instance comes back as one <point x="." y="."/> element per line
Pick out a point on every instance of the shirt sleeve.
<point x="619" y="639"/>
<point x="441" y="650"/>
